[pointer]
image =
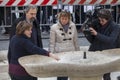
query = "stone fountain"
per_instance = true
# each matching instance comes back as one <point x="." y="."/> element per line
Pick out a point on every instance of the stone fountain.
<point x="77" y="65"/>
<point x="3" y="61"/>
<point x="4" y="65"/>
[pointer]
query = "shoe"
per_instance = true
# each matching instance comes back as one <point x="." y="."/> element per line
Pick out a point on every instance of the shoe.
<point x="118" y="78"/>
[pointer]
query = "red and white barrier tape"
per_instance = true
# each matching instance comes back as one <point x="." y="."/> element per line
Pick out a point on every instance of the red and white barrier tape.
<point x="55" y="2"/>
<point x="90" y="2"/>
<point x="27" y="2"/>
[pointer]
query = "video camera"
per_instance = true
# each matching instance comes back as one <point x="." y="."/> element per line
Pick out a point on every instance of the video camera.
<point x="91" y="20"/>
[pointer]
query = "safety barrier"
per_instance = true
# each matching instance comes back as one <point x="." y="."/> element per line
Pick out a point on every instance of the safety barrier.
<point x="55" y="2"/>
<point x="27" y="2"/>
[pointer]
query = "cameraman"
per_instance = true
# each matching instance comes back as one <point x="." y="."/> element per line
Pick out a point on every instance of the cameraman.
<point x="104" y="35"/>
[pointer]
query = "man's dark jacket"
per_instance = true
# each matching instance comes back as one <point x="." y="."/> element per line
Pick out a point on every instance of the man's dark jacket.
<point x="36" y="27"/>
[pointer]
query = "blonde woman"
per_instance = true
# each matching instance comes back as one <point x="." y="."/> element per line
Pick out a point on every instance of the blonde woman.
<point x="63" y="36"/>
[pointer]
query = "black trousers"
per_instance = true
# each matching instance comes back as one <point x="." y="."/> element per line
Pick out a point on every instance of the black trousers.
<point x="62" y="78"/>
<point x="106" y="76"/>
<point x="14" y="77"/>
<point x="118" y="78"/>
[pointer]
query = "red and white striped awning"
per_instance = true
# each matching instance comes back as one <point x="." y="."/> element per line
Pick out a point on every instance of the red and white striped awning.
<point x="90" y="2"/>
<point x="27" y="2"/>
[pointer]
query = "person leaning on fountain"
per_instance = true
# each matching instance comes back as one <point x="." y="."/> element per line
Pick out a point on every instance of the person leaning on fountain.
<point x="29" y="15"/>
<point x="63" y="36"/>
<point x="105" y="36"/>
<point x="21" y="45"/>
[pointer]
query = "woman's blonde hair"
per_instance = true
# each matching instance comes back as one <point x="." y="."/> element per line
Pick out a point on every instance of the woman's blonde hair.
<point x="64" y="14"/>
<point x="22" y="26"/>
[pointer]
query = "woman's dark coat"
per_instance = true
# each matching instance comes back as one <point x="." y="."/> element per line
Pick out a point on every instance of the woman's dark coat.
<point x="21" y="46"/>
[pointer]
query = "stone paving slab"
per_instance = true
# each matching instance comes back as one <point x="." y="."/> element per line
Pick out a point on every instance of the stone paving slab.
<point x="5" y="76"/>
<point x="4" y="37"/>
<point x="44" y="36"/>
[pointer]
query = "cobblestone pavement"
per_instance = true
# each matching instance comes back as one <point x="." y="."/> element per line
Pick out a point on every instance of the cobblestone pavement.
<point x="4" y="41"/>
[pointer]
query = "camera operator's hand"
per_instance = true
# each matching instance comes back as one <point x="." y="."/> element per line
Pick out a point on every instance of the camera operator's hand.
<point x="93" y="31"/>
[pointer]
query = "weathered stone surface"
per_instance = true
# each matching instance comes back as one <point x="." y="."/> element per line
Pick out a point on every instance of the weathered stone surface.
<point x="4" y="76"/>
<point x="3" y="66"/>
<point x="71" y="64"/>
<point x="3" y="55"/>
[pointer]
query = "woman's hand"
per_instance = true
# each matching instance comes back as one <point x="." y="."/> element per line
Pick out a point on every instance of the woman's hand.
<point x="54" y="56"/>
